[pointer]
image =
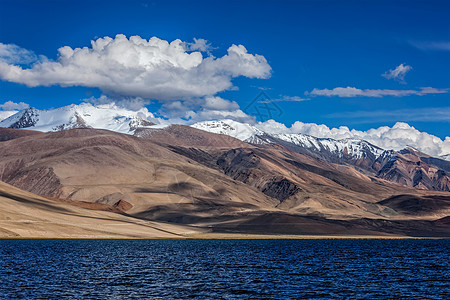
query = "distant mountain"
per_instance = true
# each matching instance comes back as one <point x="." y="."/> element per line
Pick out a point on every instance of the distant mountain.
<point x="338" y="149"/>
<point x="85" y="115"/>
<point x="408" y="167"/>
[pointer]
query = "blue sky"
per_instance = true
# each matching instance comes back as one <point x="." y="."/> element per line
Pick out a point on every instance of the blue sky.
<point x="308" y="45"/>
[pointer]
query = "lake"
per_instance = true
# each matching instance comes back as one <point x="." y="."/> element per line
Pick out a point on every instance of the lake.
<point x="226" y="269"/>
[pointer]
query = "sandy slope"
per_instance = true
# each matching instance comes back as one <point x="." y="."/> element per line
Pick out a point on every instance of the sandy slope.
<point x="25" y="215"/>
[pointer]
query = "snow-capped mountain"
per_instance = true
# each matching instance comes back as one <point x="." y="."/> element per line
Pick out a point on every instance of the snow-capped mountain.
<point x="85" y="115"/>
<point x="348" y="147"/>
<point x="6" y="114"/>
<point x="351" y="147"/>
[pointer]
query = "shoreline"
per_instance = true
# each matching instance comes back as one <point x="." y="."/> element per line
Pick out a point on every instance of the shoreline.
<point x="237" y="236"/>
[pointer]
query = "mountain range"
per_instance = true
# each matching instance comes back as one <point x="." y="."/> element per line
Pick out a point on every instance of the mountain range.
<point x="221" y="176"/>
<point x="408" y="167"/>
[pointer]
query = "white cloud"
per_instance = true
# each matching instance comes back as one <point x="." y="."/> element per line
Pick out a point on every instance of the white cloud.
<point x="397" y="137"/>
<point x="132" y="103"/>
<point x="398" y="73"/>
<point x="136" y="67"/>
<point x="13" y="54"/>
<point x="218" y="103"/>
<point x="202" y="109"/>
<point x="98" y="101"/>
<point x="199" y="45"/>
<point x="285" y="99"/>
<point x="209" y="114"/>
<point x="439" y="46"/>
<point x="272" y="127"/>
<point x="10" y="105"/>
<point x="171" y="108"/>
<point x="349" y="92"/>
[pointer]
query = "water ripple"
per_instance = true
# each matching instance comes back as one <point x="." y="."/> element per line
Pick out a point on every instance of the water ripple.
<point x="226" y="269"/>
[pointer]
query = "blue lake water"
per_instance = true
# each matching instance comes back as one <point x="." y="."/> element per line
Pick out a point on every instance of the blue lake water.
<point x="225" y="269"/>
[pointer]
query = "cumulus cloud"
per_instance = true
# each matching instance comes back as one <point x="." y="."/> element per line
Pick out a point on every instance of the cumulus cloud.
<point x="10" y="105"/>
<point x="208" y="108"/>
<point x="349" y="92"/>
<point x="218" y="103"/>
<point x="398" y="73"/>
<point x="396" y="137"/>
<point x="132" y="103"/>
<point x="199" y="45"/>
<point x="13" y="54"/>
<point x="136" y="67"/>
<point x="179" y="107"/>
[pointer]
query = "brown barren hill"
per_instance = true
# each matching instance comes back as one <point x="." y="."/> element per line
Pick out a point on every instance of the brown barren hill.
<point x="185" y="136"/>
<point x="142" y="177"/>
<point x="182" y="175"/>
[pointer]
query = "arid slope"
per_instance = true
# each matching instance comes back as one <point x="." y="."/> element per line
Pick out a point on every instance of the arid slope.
<point x="24" y="215"/>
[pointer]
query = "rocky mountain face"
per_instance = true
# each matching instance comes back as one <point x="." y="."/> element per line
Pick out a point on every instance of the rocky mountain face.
<point x="413" y="168"/>
<point x="27" y="118"/>
<point x="407" y="167"/>
<point x="188" y="176"/>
